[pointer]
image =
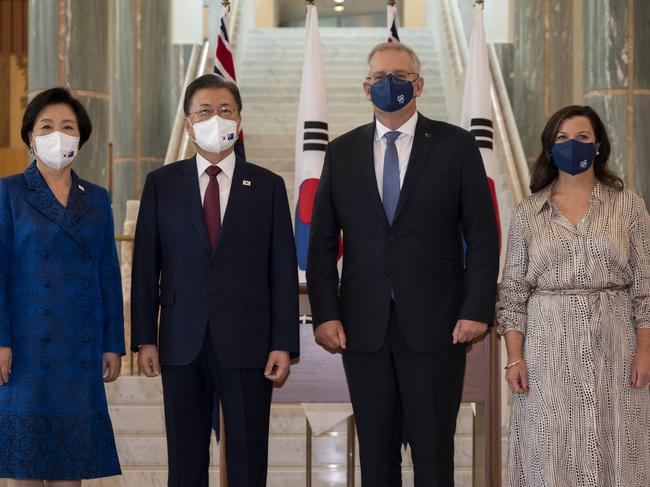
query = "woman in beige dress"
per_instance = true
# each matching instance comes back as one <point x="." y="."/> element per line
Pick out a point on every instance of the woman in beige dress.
<point x="574" y="307"/>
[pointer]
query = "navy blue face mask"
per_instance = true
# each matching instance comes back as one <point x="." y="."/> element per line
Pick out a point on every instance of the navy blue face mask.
<point x="573" y="156"/>
<point x="391" y="94"/>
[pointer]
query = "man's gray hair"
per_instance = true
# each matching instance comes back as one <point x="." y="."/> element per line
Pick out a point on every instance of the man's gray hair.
<point x="396" y="46"/>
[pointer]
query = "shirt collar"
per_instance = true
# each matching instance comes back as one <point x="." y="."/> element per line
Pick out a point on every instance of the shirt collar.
<point x="227" y="165"/>
<point x="408" y="128"/>
<point x="542" y="199"/>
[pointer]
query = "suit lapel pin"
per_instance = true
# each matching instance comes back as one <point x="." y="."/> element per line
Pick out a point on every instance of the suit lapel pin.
<point x="246" y="182"/>
<point x="81" y="188"/>
<point x="427" y="135"/>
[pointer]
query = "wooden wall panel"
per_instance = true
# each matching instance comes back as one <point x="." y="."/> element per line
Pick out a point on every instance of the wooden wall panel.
<point x="13" y="26"/>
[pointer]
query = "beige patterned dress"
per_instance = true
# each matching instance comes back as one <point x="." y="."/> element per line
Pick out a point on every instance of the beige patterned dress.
<point x="578" y="295"/>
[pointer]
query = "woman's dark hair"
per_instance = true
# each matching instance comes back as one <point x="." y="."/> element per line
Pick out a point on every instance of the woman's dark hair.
<point x="544" y="171"/>
<point x="210" y="81"/>
<point x="55" y="96"/>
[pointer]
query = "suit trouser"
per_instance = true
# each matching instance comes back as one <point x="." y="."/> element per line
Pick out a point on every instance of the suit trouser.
<point x="428" y="386"/>
<point x="245" y="395"/>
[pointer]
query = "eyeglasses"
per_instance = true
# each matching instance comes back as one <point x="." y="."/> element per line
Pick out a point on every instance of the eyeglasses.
<point x="205" y="113"/>
<point x="399" y="76"/>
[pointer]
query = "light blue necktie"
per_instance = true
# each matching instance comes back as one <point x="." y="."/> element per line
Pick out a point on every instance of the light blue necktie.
<point x="390" y="186"/>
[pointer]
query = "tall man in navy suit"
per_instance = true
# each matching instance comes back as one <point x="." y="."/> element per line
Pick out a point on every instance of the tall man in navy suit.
<point x="402" y="189"/>
<point x="214" y="252"/>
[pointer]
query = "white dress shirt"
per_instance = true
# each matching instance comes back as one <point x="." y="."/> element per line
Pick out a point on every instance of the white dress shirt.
<point x="224" y="178"/>
<point x="403" y="143"/>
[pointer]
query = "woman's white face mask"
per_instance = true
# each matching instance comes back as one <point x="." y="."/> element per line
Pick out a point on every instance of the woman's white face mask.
<point x="56" y="150"/>
<point x="215" y="134"/>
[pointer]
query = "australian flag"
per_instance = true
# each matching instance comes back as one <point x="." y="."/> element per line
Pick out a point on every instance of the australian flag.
<point x="224" y="66"/>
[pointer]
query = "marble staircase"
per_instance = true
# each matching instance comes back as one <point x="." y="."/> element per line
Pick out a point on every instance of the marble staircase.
<point x="137" y="414"/>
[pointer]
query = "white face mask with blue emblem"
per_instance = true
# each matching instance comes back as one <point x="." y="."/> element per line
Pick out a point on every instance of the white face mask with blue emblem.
<point x="56" y="150"/>
<point x="215" y="134"/>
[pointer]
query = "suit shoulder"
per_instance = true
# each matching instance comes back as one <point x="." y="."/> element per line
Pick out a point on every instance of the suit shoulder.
<point x="450" y="130"/>
<point x="170" y="169"/>
<point x="13" y="182"/>
<point x="353" y="135"/>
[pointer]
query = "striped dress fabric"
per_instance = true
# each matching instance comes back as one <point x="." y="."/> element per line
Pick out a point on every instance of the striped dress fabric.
<point x="578" y="294"/>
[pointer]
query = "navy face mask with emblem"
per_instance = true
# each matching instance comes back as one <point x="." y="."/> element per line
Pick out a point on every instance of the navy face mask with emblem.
<point x="390" y="94"/>
<point x="573" y="156"/>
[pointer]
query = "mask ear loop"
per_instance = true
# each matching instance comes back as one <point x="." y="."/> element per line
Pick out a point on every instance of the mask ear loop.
<point x="188" y="133"/>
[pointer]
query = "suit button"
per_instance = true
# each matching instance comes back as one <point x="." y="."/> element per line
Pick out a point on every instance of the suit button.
<point x="46" y="256"/>
<point x="85" y="339"/>
<point x="212" y="264"/>
<point x="86" y="283"/>
<point x="387" y="271"/>
<point x="47" y="312"/>
<point x="391" y="238"/>
<point x="46" y="284"/>
<point x="46" y="366"/>
<point x="88" y="258"/>
<point x="46" y="339"/>
<point x="84" y="365"/>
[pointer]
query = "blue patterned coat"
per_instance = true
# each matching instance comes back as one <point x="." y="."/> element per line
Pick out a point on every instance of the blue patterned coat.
<point x="60" y="310"/>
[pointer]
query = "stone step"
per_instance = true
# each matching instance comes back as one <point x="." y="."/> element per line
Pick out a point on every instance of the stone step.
<point x="334" y="70"/>
<point x="256" y="86"/>
<point x="277" y="477"/>
<point x="349" y="120"/>
<point x="334" y="102"/>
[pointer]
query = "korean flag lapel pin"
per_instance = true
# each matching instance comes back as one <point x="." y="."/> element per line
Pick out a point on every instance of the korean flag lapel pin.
<point x="246" y="182"/>
<point x="81" y="188"/>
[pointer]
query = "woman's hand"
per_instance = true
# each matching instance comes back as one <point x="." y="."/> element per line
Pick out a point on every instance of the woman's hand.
<point x="5" y="365"/>
<point x="517" y="378"/>
<point x="111" y="365"/>
<point x="640" y="370"/>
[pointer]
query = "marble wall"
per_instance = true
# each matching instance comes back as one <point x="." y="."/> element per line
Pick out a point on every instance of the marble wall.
<point x="617" y="83"/>
<point x="586" y="52"/>
<point x="145" y="90"/>
<point x="66" y="52"/>
<point x="542" y="66"/>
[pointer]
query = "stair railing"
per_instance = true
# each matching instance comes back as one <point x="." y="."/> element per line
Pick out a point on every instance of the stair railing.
<point x="507" y="132"/>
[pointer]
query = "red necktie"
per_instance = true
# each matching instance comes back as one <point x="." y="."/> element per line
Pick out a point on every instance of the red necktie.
<point x="211" y="205"/>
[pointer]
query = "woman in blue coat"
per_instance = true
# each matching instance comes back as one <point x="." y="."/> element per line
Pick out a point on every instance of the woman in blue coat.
<point x="61" y="320"/>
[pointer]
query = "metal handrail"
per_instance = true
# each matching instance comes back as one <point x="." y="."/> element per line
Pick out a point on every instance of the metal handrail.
<point x="171" y="154"/>
<point x="199" y="70"/>
<point x="508" y="133"/>
<point x="515" y="156"/>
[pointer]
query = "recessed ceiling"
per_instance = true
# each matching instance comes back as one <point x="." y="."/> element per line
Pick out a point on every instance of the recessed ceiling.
<point x="291" y="11"/>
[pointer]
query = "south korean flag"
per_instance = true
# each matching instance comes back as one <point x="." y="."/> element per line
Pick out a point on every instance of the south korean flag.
<point x="311" y="136"/>
<point x="477" y="108"/>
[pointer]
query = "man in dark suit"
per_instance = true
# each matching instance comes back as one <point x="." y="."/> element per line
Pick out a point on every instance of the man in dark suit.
<point x="228" y="294"/>
<point x="404" y="190"/>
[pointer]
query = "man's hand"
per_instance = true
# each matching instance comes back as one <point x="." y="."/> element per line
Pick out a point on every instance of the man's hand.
<point x="148" y="360"/>
<point x="5" y="365"/>
<point x="330" y="336"/>
<point x="467" y="330"/>
<point x="277" y="367"/>
<point x="111" y="365"/>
